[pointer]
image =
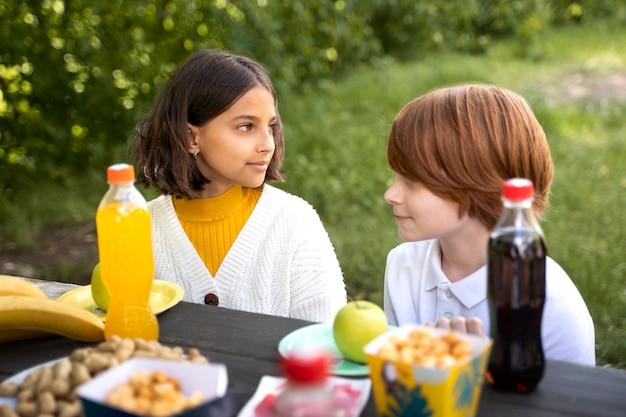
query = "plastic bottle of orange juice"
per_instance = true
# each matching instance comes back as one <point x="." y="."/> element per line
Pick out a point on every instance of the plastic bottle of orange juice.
<point x="126" y="262"/>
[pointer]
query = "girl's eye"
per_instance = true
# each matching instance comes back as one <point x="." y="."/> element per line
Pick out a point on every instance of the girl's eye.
<point x="272" y="128"/>
<point x="245" y="128"/>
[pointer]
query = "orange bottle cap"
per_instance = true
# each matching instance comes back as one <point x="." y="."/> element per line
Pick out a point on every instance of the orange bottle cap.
<point x="120" y="173"/>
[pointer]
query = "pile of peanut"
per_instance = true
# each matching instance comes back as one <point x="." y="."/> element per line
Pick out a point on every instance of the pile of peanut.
<point x="425" y="348"/>
<point x="155" y="394"/>
<point x="50" y="391"/>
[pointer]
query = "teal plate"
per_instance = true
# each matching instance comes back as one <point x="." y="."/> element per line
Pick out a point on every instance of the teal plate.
<point x="320" y="336"/>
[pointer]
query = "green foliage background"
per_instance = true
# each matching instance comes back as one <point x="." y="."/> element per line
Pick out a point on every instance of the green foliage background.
<point x="76" y="76"/>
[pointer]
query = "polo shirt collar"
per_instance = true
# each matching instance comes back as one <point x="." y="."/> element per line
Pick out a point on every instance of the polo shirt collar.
<point x="470" y="291"/>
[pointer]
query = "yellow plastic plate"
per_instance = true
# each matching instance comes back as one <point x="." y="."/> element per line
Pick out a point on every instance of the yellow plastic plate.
<point x="163" y="295"/>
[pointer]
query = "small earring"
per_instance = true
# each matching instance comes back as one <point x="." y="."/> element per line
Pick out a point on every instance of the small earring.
<point x="195" y="155"/>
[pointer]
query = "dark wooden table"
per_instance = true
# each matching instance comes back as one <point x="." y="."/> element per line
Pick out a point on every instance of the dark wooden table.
<point x="247" y="344"/>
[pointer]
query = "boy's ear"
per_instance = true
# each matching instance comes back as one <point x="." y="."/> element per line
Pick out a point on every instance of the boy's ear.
<point x="192" y="134"/>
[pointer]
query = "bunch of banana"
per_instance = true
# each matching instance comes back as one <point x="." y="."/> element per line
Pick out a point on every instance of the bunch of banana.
<point x="26" y="312"/>
<point x="10" y="285"/>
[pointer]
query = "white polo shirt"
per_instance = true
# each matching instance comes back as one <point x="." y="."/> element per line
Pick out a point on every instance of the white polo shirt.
<point x="417" y="291"/>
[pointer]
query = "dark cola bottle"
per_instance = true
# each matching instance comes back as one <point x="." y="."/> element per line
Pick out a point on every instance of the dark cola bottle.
<point x="516" y="291"/>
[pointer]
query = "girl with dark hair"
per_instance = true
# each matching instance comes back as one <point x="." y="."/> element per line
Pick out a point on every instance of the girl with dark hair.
<point x="211" y="142"/>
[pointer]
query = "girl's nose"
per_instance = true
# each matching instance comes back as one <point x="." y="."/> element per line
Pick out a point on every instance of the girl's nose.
<point x="267" y="143"/>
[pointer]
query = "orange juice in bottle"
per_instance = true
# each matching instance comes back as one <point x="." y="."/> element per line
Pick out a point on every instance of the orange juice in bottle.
<point x="126" y="262"/>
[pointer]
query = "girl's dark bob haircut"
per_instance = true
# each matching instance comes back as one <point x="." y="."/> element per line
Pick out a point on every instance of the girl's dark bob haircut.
<point x="202" y="88"/>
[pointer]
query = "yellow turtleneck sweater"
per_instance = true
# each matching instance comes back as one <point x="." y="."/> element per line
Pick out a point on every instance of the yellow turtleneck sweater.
<point x="212" y="224"/>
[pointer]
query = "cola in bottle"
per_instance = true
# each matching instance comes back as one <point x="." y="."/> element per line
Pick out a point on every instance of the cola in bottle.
<point x="516" y="287"/>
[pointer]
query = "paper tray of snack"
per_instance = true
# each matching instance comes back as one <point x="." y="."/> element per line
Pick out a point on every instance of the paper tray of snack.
<point x="203" y="389"/>
<point x="419" y="370"/>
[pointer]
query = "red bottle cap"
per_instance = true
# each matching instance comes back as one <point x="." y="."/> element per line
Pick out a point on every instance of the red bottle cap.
<point x="517" y="189"/>
<point x="306" y="367"/>
<point x="120" y="173"/>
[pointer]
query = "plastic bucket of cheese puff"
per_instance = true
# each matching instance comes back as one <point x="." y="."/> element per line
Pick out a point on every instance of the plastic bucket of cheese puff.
<point x="425" y="371"/>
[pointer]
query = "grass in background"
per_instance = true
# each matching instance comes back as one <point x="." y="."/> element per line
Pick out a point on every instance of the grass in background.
<point x="336" y="159"/>
<point x="30" y="214"/>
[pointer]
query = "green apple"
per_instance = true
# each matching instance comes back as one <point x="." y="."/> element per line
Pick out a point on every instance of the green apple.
<point x="98" y="290"/>
<point x="357" y="324"/>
